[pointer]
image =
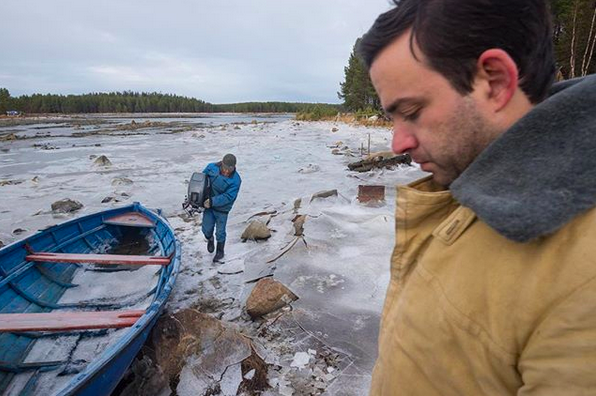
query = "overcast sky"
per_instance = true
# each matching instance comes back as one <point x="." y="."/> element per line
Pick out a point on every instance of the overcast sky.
<point x="220" y="51"/>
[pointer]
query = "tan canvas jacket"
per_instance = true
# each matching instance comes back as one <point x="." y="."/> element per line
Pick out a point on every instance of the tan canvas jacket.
<point x="493" y="282"/>
<point x="469" y="312"/>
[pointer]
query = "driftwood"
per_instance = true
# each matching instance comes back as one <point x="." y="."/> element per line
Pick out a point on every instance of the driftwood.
<point x="380" y="162"/>
<point x="287" y="248"/>
<point x="264" y="213"/>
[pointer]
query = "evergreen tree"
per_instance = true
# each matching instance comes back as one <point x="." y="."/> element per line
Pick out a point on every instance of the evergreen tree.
<point x="134" y="102"/>
<point x="4" y="100"/>
<point x="357" y="90"/>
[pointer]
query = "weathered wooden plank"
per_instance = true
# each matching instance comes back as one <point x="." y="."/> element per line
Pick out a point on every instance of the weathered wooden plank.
<point x="98" y="258"/>
<point x="61" y="321"/>
<point x="131" y="219"/>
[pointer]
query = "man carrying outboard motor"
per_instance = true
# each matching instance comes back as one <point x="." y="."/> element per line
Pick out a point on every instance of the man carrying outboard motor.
<point x="225" y="184"/>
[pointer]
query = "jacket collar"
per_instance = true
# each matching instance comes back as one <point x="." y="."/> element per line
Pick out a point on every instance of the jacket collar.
<point x="540" y="173"/>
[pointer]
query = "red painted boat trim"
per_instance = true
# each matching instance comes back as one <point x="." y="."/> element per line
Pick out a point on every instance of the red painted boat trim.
<point x="97" y="258"/>
<point x="59" y="321"/>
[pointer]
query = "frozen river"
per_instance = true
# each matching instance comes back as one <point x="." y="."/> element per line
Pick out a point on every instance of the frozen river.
<point x="340" y="274"/>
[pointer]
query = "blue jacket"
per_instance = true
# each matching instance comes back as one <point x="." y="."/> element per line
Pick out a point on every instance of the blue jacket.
<point x="224" y="190"/>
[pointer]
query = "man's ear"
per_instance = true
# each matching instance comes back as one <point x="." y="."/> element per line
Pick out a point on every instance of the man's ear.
<point x="499" y="73"/>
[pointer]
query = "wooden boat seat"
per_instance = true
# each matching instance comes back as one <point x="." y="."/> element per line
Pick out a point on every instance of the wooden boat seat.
<point x="78" y="258"/>
<point x="59" y="321"/>
<point x="131" y="219"/>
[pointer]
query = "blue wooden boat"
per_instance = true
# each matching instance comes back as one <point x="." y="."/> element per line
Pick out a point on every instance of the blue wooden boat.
<point x="78" y="300"/>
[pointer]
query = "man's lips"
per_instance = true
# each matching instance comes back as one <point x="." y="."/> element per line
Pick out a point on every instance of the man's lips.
<point x="424" y="165"/>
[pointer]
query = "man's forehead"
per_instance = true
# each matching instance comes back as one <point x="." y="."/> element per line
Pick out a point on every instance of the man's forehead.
<point x="396" y="69"/>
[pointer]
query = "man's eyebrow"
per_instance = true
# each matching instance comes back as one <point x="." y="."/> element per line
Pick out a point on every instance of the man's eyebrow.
<point x="396" y="104"/>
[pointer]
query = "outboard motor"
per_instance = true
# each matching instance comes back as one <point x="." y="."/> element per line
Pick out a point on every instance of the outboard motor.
<point x="198" y="192"/>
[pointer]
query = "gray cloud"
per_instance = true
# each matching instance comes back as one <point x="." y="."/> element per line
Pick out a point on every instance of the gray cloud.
<point x="219" y="51"/>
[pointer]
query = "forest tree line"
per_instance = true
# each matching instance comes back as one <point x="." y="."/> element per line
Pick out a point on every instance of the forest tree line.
<point x="135" y="102"/>
<point x="574" y="36"/>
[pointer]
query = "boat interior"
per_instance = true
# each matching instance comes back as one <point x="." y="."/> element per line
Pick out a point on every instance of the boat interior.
<point x="69" y="283"/>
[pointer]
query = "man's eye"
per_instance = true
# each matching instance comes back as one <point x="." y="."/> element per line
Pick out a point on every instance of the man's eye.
<point x="413" y="116"/>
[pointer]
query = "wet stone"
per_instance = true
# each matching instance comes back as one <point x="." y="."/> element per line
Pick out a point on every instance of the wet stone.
<point x="267" y="296"/>
<point x="102" y="161"/>
<point x="121" y="181"/>
<point x="256" y="230"/>
<point x="66" y="206"/>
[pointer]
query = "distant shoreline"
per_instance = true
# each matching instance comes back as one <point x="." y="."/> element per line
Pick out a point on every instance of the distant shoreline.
<point x="140" y="115"/>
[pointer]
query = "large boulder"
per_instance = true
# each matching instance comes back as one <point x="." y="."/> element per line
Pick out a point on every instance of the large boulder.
<point x="267" y="296"/>
<point x="66" y="206"/>
<point x="256" y="230"/>
<point x="102" y="160"/>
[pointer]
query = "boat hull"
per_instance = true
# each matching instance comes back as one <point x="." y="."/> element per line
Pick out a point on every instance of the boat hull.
<point x="37" y="287"/>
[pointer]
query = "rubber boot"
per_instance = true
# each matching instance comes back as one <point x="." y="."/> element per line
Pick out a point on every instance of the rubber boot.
<point x="219" y="253"/>
<point x="210" y="245"/>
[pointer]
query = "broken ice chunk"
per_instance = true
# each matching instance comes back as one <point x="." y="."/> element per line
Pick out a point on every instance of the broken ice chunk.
<point x="301" y="359"/>
<point x="250" y="374"/>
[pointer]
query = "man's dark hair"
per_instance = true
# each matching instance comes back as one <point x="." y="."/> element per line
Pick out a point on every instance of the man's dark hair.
<point x="452" y="34"/>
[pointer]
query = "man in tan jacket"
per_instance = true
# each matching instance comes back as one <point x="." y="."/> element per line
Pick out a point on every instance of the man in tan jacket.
<point x="493" y="274"/>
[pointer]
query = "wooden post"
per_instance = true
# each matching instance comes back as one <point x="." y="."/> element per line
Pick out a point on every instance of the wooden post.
<point x="371" y="193"/>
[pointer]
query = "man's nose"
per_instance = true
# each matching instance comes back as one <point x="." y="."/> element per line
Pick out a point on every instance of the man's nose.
<point x="403" y="139"/>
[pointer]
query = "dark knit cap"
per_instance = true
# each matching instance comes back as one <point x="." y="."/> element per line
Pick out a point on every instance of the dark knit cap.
<point x="229" y="160"/>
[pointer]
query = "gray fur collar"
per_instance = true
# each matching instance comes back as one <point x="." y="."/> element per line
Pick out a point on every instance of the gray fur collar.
<point x="541" y="173"/>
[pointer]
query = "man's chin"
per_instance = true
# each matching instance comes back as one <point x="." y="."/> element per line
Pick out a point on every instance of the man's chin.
<point x="442" y="179"/>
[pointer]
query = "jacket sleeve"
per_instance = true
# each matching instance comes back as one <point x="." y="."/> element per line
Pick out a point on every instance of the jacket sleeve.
<point x="560" y="356"/>
<point x="227" y="197"/>
<point x="208" y="171"/>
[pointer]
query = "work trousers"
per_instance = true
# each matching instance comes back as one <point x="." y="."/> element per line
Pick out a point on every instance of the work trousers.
<point x="213" y="219"/>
